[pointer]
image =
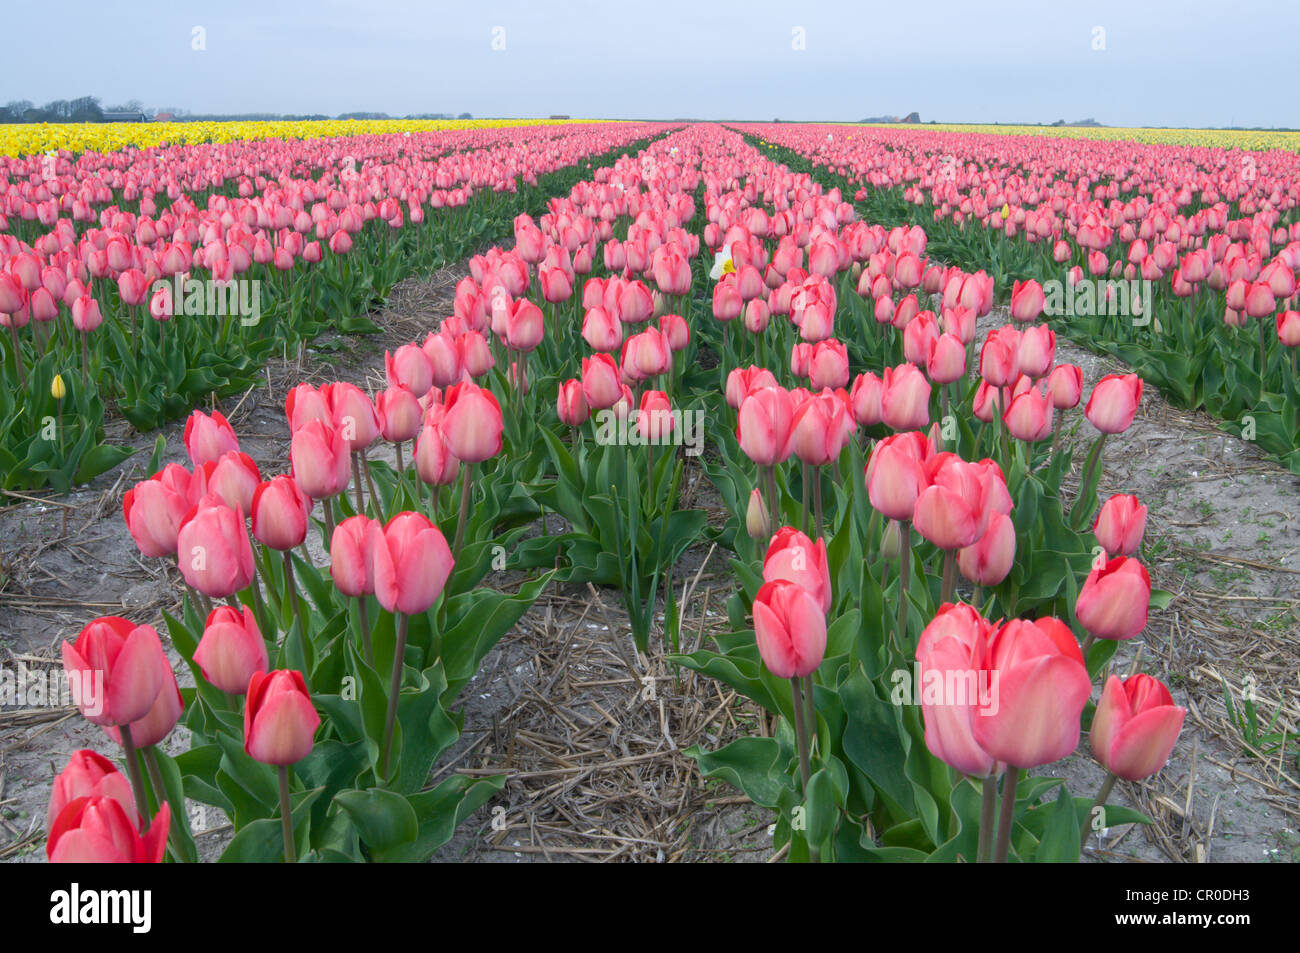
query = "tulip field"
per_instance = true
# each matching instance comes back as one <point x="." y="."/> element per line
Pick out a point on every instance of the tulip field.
<point x="809" y="467"/>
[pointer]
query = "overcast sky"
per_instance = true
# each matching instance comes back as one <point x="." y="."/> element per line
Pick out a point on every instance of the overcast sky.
<point x="1136" y="62"/>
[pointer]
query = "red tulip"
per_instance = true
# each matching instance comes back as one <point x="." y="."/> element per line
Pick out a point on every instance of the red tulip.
<point x="790" y="628"/>
<point x="1114" y="599"/>
<point x="412" y="562"/>
<point x="1135" y="727"/>
<point x="279" y="720"/>
<point x="829" y="365"/>
<point x="89" y="774"/>
<point x="98" y="830"/>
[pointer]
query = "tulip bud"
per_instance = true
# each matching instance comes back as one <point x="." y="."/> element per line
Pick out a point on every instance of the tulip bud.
<point x="757" y="521"/>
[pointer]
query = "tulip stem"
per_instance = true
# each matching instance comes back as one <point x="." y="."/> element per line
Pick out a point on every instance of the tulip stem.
<point x="394" y="690"/>
<point x="356" y="480"/>
<point x="160" y="793"/>
<point x="988" y="808"/>
<point x="979" y="598"/>
<point x="328" y="504"/>
<point x="817" y="498"/>
<point x="18" y="359"/>
<point x="801" y="736"/>
<point x="774" y="514"/>
<point x="467" y="476"/>
<point x="1098" y="802"/>
<point x="296" y="596"/>
<point x="1094" y="461"/>
<point x="365" y="630"/>
<point x="1006" y="815"/>
<point x="133" y="772"/>
<point x="286" y="817"/>
<point x="807" y="493"/>
<point x="370" y="481"/>
<point x="949" y="576"/>
<point x="904" y="580"/>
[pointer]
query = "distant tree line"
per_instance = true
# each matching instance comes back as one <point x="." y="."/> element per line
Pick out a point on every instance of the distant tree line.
<point x="88" y="109"/>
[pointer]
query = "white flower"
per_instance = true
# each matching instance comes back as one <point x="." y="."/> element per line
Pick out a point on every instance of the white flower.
<point x="722" y="263"/>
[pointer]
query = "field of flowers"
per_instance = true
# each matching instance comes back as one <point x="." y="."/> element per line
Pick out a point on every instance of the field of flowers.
<point x="850" y="333"/>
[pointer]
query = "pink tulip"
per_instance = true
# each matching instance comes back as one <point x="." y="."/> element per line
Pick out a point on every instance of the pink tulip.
<point x="473" y="423"/>
<point x="118" y="669"/>
<point x="790" y="628"/>
<point x="988" y="560"/>
<point x="280" y="721"/>
<point x="318" y="457"/>
<point x="763" y="426"/>
<point x="896" y="474"/>
<point x="950" y="647"/>
<point x="1042" y="686"/>
<point x="1135" y="727"/>
<point x="1120" y="524"/>
<point x="213" y="551"/>
<point x="792" y="556"/>
<point x="1114" y="600"/>
<point x="232" y="649"/>
<point x="207" y="438"/>
<point x="1114" y="402"/>
<point x="412" y="562"/>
